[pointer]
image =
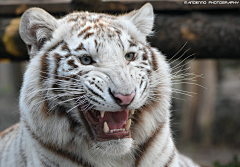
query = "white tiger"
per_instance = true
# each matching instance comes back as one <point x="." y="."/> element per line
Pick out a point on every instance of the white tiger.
<point x="95" y="94"/>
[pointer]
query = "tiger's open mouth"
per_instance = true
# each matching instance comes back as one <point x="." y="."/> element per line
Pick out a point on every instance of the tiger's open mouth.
<point x="106" y="125"/>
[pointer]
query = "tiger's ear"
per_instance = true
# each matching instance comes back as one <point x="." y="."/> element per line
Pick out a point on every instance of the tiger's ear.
<point x="142" y="19"/>
<point x="36" y="27"/>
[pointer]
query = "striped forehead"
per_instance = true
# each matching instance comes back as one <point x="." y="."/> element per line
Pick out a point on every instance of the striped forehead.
<point x="98" y="29"/>
<point x="88" y="24"/>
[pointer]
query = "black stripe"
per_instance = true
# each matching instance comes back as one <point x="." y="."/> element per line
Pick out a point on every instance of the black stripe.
<point x="55" y="46"/>
<point x="132" y="44"/>
<point x="62" y="111"/>
<point x="45" y="110"/>
<point x="65" y="47"/>
<point x="94" y="100"/>
<point x="141" y="83"/>
<point x="44" y="67"/>
<point x="145" y="56"/>
<point x="53" y="148"/>
<point x="99" y="88"/>
<point x="15" y="144"/>
<point x="44" y="163"/>
<point x="71" y="63"/>
<point x="85" y="123"/>
<point x="95" y="43"/>
<point x="144" y="63"/>
<point x="96" y="94"/>
<point x="143" y="97"/>
<point x="145" y="87"/>
<point x="83" y="73"/>
<point x="21" y="150"/>
<point x="120" y="40"/>
<point x="83" y="31"/>
<point x="47" y="159"/>
<point x="141" y="67"/>
<point x="57" y="60"/>
<point x="88" y="35"/>
<point x="80" y="47"/>
<point x="171" y="158"/>
<point x="164" y="148"/>
<point x="145" y="146"/>
<point x="154" y="60"/>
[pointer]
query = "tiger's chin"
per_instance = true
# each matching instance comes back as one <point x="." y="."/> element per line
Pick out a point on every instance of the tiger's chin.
<point x="114" y="148"/>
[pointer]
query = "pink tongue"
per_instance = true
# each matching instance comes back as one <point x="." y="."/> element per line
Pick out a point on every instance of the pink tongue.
<point x="115" y="120"/>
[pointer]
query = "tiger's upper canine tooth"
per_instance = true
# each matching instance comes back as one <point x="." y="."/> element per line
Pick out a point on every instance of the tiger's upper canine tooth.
<point x="128" y="124"/>
<point x="132" y="111"/>
<point x="102" y="113"/>
<point x="105" y="127"/>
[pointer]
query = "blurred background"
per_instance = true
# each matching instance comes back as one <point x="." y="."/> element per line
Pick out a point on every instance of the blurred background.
<point x="200" y="41"/>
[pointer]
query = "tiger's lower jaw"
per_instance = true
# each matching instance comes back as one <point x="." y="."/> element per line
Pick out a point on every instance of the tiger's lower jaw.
<point x="113" y="148"/>
<point x="106" y="126"/>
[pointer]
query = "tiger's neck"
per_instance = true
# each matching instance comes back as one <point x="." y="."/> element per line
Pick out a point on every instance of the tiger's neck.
<point x="140" y="156"/>
<point x="157" y="147"/>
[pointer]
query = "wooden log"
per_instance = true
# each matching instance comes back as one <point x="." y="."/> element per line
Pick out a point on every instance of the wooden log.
<point x="206" y="107"/>
<point x="190" y="106"/>
<point x="11" y="45"/>
<point x="208" y="35"/>
<point x="12" y="7"/>
<point x="198" y="110"/>
<point x="16" y="7"/>
<point x="160" y="5"/>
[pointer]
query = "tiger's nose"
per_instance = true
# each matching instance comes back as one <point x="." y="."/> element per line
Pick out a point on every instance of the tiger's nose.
<point x="123" y="99"/>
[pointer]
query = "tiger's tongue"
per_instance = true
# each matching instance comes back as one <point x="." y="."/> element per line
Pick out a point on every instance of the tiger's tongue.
<point x="115" y="120"/>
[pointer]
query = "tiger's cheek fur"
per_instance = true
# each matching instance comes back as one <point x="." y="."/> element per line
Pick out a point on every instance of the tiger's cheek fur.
<point x="42" y="122"/>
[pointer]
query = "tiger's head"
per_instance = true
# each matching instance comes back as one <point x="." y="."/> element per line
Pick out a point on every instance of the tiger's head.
<point x="93" y="81"/>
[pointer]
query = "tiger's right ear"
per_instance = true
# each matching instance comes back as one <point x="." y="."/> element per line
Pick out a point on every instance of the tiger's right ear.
<point x="36" y="27"/>
<point x="140" y="22"/>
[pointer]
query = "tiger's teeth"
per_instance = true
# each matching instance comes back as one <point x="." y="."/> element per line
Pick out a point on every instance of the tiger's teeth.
<point x="102" y="113"/>
<point x="128" y="124"/>
<point x="132" y="111"/>
<point x="105" y="127"/>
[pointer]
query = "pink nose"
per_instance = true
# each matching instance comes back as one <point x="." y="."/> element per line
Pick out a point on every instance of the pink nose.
<point x="124" y="99"/>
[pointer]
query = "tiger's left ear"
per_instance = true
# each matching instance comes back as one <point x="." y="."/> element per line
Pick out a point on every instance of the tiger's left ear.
<point x="36" y="28"/>
<point x="142" y="19"/>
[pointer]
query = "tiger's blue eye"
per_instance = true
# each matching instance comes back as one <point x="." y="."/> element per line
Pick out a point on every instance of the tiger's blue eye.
<point x="129" y="56"/>
<point x="86" y="60"/>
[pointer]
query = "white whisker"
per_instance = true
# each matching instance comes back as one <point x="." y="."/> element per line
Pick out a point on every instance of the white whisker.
<point x="177" y="53"/>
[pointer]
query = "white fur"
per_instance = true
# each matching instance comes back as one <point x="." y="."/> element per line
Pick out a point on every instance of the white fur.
<point x="25" y="145"/>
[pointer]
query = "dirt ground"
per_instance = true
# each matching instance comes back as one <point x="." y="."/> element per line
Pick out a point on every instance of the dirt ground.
<point x="206" y="156"/>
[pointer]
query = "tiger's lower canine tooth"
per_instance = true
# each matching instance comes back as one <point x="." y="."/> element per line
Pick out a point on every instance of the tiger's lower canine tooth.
<point x="128" y="124"/>
<point x="102" y="113"/>
<point x="132" y="111"/>
<point x="105" y="127"/>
